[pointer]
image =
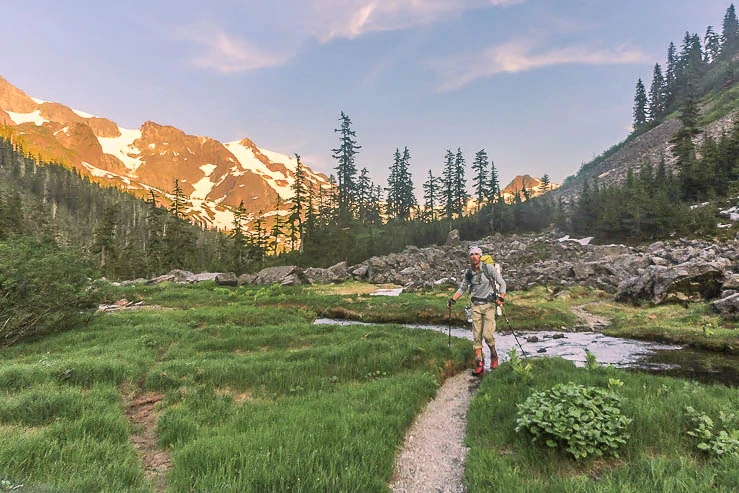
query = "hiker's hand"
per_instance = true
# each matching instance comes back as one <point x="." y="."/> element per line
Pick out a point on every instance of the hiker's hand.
<point x="450" y="302"/>
<point x="500" y="300"/>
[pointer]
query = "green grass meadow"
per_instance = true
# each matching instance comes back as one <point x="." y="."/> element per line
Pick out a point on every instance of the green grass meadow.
<point x="252" y="396"/>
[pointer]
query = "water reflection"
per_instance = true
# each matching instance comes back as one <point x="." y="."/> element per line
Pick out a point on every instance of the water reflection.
<point x="668" y="359"/>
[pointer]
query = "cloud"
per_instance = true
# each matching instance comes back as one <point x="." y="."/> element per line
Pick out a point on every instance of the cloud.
<point x="229" y="54"/>
<point x="520" y="56"/>
<point x="330" y="19"/>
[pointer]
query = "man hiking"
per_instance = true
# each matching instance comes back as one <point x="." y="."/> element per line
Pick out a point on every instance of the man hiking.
<point x="480" y="280"/>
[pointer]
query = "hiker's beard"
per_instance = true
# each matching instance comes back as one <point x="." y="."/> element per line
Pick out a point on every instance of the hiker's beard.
<point x="475" y="263"/>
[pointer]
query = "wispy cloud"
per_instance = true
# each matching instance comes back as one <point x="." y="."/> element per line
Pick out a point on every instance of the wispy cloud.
<point x="352" y="18"/>
<point x="520" y="56"/>
<point x="226" y="53"/>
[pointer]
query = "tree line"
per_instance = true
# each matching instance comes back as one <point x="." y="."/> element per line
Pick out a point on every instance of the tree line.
<point x="697" y="69"/>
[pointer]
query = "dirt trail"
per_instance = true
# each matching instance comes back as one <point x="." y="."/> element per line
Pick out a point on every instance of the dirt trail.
<point x="595" y="323"/>
<point x="141" y="412"/>
<point x="432" y="457"/>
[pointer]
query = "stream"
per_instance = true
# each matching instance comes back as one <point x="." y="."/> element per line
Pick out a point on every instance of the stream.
<point x="629" y="354"/>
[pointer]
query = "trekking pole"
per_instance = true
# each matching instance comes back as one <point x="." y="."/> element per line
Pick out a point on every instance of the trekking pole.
<point x="510" y="327"/>
<point x="450" y="326"/>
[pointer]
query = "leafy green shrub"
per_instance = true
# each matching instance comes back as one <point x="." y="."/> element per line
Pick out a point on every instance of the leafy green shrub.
<point x="715" y="442"/>
<point x="43" y="289"/>
<point x="581" y="420"/>
<point x="520" y="368"/>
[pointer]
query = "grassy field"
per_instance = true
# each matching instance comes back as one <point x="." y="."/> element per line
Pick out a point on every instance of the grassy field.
<point x="206" y="388"/>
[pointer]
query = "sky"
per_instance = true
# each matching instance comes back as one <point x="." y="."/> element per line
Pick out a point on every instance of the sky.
<point x="543" y="86"/>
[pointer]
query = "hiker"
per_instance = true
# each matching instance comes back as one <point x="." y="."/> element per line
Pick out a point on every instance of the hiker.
<point x="480" y="278"/>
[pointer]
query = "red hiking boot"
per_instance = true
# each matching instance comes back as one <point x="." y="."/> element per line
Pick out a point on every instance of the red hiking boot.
<point x="494" y="363"/>
<point x="479" y="368"/>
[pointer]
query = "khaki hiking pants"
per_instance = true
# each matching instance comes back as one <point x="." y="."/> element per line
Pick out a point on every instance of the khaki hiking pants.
<point x="483" y="324"/>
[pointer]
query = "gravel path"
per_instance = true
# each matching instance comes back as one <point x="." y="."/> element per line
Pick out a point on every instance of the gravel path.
<point x="432" y="457"/>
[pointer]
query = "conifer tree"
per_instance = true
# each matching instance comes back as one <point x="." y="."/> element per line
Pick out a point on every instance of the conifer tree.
<point x="545" y="182"/>
<point x="295" y="220"/>
<point x="178" y="202"/>
<point x="460" y="183"/>
<point x="480" y="181"/>
<point x="239" y="239"/>
<point x="105" y="240"/>
<point x="493" y="188"/>
<point x="432" y="196"/>
<point x="346" y="168"/>
<point x="730" y="33"/>
<point x="276" y="230"/>
<point x="406" y="199"/>
<point x="448" y="189"/>
<point x="392" y="199"/>
<point x="712" y="45"/>
<point x="670" y="75"/>
<point x="364" y="195"/>
<point x="657" y="93"/>
<point x="640" y="106"/>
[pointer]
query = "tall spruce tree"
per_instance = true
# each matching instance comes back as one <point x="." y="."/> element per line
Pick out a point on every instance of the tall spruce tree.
<point x="393" y="179"/>
<point x="447" y="180"/>
<point x="670" y="75"/>
<point x="657" y="93"/>
<point x="460" y="183"/>
<point x="730" y="33"/>
<point x="432" y="196"/>
<point x="480" y="177"/>
<point x="364" y="195"/>
<point x="297" y="209"/>
<point x="406" y="199"/>
<point x="640" y="106"/>
<point x="346" y="168"/>
<point x="493" y="188"/>
<point x="712" y="45"/>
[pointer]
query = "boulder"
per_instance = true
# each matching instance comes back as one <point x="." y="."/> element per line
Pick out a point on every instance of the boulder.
<point x="689" y="281"/>
<point x="227" y="279"/>
<point x="287" y="275"/>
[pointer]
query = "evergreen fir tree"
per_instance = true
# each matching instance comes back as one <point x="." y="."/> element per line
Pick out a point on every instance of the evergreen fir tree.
<point x="431" y="196"/>
<point x="346" y="169"/>
<point x="545" y="182"/>
<point x="392" y="199"/>
<point x="493" y="188"/>
<point x="712" y="45"/>
<point x="364" y="195"/>
<point x="239" y="240"/>
<point x="406" y="199"/>
<point x="640" y="106"/>
<point x="448" y="182"/>
<point x="657" y="93"/>
<point x="295" y="220"/>
<point x="730" y="33"/>
<point x="480" y="181"/>
<point x="670" y="75"/>
<point x="460" y="183"/>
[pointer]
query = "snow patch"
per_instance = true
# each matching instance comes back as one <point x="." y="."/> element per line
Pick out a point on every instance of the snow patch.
<point x="83" y="114"/>
<point x="582" y="241"/>
<point x="122" y="147"/>
<point x="249" y="161"/>
<point x="32" y="117"/>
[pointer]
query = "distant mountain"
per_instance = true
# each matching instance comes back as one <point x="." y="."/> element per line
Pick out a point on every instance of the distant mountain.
<point x="533" y="186"/>
<point x="215" y="177"/>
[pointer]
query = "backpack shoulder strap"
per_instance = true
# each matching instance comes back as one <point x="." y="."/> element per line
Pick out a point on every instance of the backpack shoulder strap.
<point x="484" y="266"/>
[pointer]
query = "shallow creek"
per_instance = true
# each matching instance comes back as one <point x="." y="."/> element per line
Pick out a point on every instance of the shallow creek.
<point x="672" y="360"/>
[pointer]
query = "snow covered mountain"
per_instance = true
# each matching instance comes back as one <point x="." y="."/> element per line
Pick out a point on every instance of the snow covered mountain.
<point x="215" y="177"/>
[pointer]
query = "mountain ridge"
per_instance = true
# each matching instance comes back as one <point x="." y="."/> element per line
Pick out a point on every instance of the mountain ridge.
<point x="147" y="160"/>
